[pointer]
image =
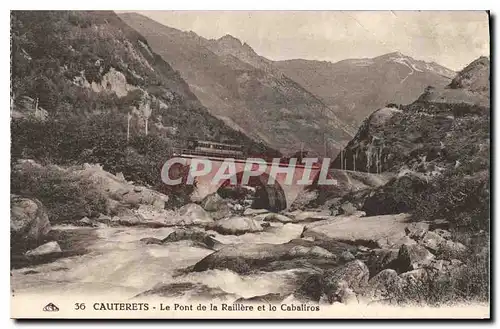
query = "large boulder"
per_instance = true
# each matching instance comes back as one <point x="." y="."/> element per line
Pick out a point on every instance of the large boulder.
<point x="223" y="211"/>
<point x="374" y="232"/>
<point x="189" y="291"/>
<point x="342" y="294"/>
<point x="253" y="257"/>
<point x="196" y="235"/>
<point x="253" y="212"/>
<point x="309" y="216"/>
<point x="114" y="187"/>
<point x="394" y="197"/>
<point x="194" y="214"/>
<point x="270" y="298"/>
<point x="416" y="277"/>
<point x="312" y="289"/>
<point x="354" y="273"/>
<point x="273" y="217"/>
<point x="45" y="249"/>
<point x="212" y="202"/>
<point x="383" y="286"/>
<point x="304" y="198"/>
<point x="347" y="209"/>
<point x="237" y="225"/>
<point x="411" y="257"/>
<point x="432" y="241"/>
<point x="337" y="285"/>
<point x="381" y="259"/>
<point x="451" y="249"/>
<point x="216" y="206"/>
<point x="417" y="230"/>
<point x="29" y="223"/>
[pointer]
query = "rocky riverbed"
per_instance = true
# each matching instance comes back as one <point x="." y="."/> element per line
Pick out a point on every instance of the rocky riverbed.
<point x="248" y="256"/>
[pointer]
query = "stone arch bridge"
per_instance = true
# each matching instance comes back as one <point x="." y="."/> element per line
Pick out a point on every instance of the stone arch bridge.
<point x="289" y="179"/>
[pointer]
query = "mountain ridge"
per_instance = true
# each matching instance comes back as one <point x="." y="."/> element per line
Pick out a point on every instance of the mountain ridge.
<point x="352" y="88"/>
<point x="429" y="132"/>
<point x="242" y="87"/>
<point x="92" y="79"/>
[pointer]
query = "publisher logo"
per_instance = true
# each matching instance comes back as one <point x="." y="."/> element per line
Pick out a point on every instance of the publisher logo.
<point x="50" y="308"/>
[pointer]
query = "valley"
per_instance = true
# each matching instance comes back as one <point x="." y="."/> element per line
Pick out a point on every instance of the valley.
<point x="100" y="101"/>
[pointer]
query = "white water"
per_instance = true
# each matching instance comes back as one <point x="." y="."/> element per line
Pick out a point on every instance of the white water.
<point x="119" y="265"/>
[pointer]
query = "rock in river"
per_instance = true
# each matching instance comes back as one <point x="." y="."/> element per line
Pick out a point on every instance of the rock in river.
<point x="45" y="249"/>
<point x="250" y="257"/>
<point x="376" y="231"/>
<point x="411" y="257"/>
<point x="237" y="225"/>
<point x="194" y="214"/>
<point x="29" y="223"/>
<point x="337" y="284"/>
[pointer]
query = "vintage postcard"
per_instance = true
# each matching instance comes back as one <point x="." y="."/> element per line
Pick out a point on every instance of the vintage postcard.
<point x="250" y="164"/>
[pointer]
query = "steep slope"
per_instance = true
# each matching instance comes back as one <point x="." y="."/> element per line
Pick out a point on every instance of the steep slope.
<point x="445" y="127"/>
<point x="244" y="89"/>
<point x="352" y="88"/>
<point x="91" y="61"/>
<point x="82" y="76"/>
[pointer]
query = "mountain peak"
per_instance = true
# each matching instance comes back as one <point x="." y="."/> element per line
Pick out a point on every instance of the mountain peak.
<point x="229" y="39"/>
<point x="391" y="55"/>
<point x="397" y="54"/>
<point x="474" y="77"/>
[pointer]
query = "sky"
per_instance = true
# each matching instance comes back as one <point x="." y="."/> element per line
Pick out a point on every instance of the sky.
<point x="449" y="38"/>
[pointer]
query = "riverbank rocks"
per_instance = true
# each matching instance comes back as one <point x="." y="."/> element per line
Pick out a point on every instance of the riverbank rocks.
<point x="383" y="286"/>
<point x="375" y="232"/>
<point x="212" y="202"/>
<point x="355" y="274"/>
<point x="381" y="259"/>
<point x="411" y="257"/>
<point x="309" y="216"/>
<point x="237" y="225"/>
<point x="451" y="249"/>
<point x="347" y="209"/>
<point x="298" y="216"/>
<point x="134" y="219"/>
<point x="303" y="251"/>
<point x="271" y="298"/>
<point x="216" y="206"/>
<point x="253" y="257"/>
<point x="151" y="241"/>
<point x="189" y="291"/>
<point x="253" y="212"/>
<point x="342" y="294"/>
<point x="432" y="241"/>
<point x="337" y="285"/>
<point x="116" y="188"/>
<point x="417" y="230"/>
<point x="347" y="256"/>
<point x="415" y="277"/>
<point x="193" y="214"/>
<point x="197" y="235"/>
<point x="45" y="249"/>
<point x="85" y="221"/>
<point x="29" y="223"/>
<point x="273" y="217"/>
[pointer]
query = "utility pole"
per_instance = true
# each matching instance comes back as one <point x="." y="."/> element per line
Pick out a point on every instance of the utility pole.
<point x="380" y="160"/>
<point x="129" y="117"/>
<point x="341" y="159"/>
<point x="324" y="145"/>
<point x="354" y="156"/>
